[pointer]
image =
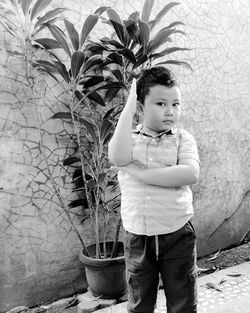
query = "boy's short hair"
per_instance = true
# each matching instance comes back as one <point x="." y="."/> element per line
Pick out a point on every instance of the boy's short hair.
<point x="157" y="75"/>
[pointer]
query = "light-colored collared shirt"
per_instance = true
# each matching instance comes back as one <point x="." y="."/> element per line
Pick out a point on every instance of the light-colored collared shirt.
<point x="154" y="210"/>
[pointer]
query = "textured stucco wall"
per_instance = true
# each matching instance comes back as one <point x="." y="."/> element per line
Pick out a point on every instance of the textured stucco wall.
<point x="38" y="250"/>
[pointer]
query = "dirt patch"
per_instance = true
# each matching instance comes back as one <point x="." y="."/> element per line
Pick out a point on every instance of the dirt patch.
<point x="224" y="259"/>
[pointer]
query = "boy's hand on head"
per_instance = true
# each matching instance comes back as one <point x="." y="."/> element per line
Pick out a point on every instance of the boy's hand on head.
<point x="131" y="101"/>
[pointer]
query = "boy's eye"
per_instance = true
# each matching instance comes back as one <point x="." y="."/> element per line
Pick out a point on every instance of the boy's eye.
<point x="161" y="103"/>
<point x="175" y="104"/>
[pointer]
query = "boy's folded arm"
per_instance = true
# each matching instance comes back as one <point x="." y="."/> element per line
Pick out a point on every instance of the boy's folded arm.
<point x="185" y="173"/>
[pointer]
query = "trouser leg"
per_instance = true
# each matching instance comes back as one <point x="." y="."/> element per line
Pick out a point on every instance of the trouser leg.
<point x="177" y="262"/>
<point x="142" y="273"/>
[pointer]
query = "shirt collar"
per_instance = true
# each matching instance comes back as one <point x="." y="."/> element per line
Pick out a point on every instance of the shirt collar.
<point x="166" y="132"/>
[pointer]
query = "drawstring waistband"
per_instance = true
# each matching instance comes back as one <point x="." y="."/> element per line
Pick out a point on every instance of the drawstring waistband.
<point x="157" y="246"/>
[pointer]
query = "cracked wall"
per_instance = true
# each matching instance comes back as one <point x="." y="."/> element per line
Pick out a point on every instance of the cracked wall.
<point x="38" y="250"/>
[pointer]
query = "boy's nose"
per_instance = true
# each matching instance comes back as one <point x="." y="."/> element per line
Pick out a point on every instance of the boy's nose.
<point x="169" y="112"/>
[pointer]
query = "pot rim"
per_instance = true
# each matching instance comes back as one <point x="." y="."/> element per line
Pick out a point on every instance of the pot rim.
<point x="88" y="260"/>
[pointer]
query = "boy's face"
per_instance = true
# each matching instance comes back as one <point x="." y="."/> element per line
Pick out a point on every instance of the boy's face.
<point x="162" y="108"/>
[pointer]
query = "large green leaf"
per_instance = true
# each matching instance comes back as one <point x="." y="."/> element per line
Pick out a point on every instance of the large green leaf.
<point x="46" y="68"/>
<point x="172" y="25"/>
<point x="77" y="60"/>
<point x="110" y="86"/>
<point x="114" y="58"/>
<point x="163" y="12"/>
<point x="91" y="63"/>
<point x="118" y="74"/>
<point x="49" y="66"/>
<point x="9" y="28"/>
<point x="26" y="4"/>
<point x="78" y="202"/>
<point x="100" y="10"/>
<point x="94" y="96"/>
<point x="93" y="81"/>
<point x="87" y="27"/>
<point x="42" y="26"/>
<point x="111" y="94"/>
<point x="117" y="23"/>
<point x="61" y="68"/>
<point x="128" y="54"/>
<point x="180" y="32"/>
<point x="47" y="43"/>
<point x="160" y="38"/>
<point x="109" y="112"/>
<point x="134" y="16"/>
<point x="140" y="61"/>
<point x="38" y="7"/>
<point x="50" y="15"/>
<point x="73" y="34"/>
<point x="113" y="85"/>
<point x="72" y="160"/>
<point x="175" y="62"/>
<point x="96" y="48"/>
<point x="132" y="29"/>
<point x="167" y="51"/>
<point x="112" y="42"/>
<point x="143" y="34"/>
<point x="79" y="95"/>
<point x="146" y="10"/>
<point x="62" y="115"/>
<point x="60" y="37"/>
<point x="106" y="128"/>
<point x="78" y="171"/>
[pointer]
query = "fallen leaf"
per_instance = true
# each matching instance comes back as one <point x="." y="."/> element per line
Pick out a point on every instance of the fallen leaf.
<point x="214" y="256"/>
<point x="234" y="275"/>
<point x="212" y="286"/>
<point x="206" y="270"/>
<point x="222" y="281"/>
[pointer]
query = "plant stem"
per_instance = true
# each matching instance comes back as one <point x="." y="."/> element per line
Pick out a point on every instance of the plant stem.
<point x="113" y="253"/>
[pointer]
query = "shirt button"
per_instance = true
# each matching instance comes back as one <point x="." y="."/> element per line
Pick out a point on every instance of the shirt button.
<point x="148" y="198"/>
<point x="150" y="159"/>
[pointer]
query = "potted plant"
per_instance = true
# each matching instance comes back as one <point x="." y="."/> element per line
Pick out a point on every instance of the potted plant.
<point x="24" y="20"/>
<point x="83" y="80"/>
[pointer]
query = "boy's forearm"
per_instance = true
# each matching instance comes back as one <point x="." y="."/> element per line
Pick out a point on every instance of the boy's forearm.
<point x="173" y="176"/>
<point x="120" y="146"/>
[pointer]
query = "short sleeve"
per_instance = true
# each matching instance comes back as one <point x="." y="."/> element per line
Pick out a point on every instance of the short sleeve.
<point x="187" y="148"/>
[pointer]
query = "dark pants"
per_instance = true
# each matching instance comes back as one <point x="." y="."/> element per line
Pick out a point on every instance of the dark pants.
<point x="176" y="264"/>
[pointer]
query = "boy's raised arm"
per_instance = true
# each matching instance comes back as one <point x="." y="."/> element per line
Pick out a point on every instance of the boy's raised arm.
<point x="120" y="146"/>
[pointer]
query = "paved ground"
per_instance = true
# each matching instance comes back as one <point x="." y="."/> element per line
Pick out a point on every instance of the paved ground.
<point x="224" y="291"/>
<point x="227" y="290"/>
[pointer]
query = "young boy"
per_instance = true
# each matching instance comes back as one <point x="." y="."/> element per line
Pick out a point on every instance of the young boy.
<point x="156" y="164"/>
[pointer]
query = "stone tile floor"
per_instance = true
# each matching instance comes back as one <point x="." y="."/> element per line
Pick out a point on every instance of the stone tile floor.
<point x="210" y="299"/>
<point x="224" y="291"/>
